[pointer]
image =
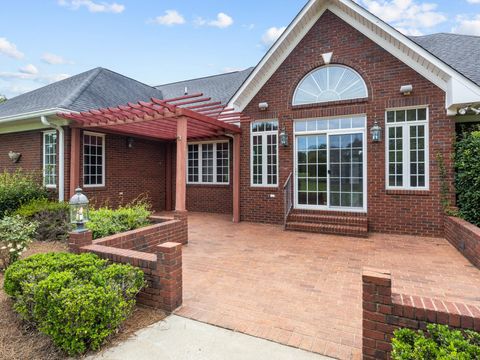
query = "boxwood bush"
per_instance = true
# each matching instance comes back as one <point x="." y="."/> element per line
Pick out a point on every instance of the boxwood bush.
<point x="106" y="221"/>
<point x="467" y="180"/>
<point x="18" y="188"/>
<point x="439" y="342"/>
<point x="77" y="300"/>
<point x="52" y="218"/>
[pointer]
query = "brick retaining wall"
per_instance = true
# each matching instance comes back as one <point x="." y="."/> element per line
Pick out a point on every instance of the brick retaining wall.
<point x="465" y="237"/>
<point x="384" y="312"/>
<point x="156" y="249"/>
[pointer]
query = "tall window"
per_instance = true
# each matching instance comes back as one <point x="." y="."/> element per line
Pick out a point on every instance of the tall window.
<point x="208" y="163"/>
<point x="93" y="159"/>
<point x="264" y="153"/>
<point x="407" y="149"/>
<point x="50" y="159"/>
<point x="330" y="83"/>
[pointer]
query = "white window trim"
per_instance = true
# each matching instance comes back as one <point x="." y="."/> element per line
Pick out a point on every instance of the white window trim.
<point x="49" y="186"/>
<point x="200" y="181"/>
<point x="103" y="159"/>
<point x="264" y="135"/>
<point x="406" y="150"/>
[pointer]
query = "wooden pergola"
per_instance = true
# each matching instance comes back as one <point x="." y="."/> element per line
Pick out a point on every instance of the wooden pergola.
<point x="189" y="117"/>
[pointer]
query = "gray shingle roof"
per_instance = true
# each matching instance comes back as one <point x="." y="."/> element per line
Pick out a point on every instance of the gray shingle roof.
<point x="219" y="87"/>
<point x="93" y="89"/>
<point x="461" y="52"/>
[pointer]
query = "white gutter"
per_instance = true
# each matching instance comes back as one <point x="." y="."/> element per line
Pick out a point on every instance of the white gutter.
<point x="33" y="114"/>
<point x="61" y="156"/>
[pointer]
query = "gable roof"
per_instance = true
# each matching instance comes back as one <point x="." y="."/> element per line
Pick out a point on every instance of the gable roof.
<point x="219" y="87"/>
<point x="460" y="90"/>
<point x="93" y="89"/>
<point x="461" y="52"/>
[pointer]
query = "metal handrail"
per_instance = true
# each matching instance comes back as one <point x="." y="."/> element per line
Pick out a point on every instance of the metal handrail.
<point x="287" y="198"/>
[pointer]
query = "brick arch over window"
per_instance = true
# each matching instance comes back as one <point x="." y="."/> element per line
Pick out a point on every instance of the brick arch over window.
<point x="329" y="83"/>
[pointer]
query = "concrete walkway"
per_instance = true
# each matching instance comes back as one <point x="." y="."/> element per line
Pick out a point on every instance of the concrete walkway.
<point x="178" y="338"/>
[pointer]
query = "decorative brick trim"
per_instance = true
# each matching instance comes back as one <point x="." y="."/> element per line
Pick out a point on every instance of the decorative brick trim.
<point x="409" y="192"/>
<point x="465" y="237"/>
<point x="384" y="312"/>
<point x="78" y="240"/>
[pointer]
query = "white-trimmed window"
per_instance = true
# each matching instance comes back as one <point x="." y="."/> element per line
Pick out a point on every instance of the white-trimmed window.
<point x="208" y="163"/>
<point x="264" y="153"/>
<point x="407" y="149"/>
<point x="50" y="159"/>
<point x="93" y="159"/>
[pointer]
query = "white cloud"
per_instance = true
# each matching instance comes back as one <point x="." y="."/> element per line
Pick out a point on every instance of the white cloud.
<point x="408" y="16"/>
<point x="473" y="1"/>
<point x="272" y="34"/>
<point x="24" y="75"/>
<point x="92" y="6"/>
<point x="222" y="21"/>
<point x="29" y="69"/>
<point x="53" y="59"/>
<point x="9" y="49"/>
<point x="171" y="17"/>
<point x="249" y="26"/>
<point x="467" y="25"/>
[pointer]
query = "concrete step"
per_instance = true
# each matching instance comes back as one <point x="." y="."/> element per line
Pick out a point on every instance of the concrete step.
<point x="334" y="229"/>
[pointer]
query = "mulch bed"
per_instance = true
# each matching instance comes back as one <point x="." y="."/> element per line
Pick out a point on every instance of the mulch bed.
<point x="19" y="340"/>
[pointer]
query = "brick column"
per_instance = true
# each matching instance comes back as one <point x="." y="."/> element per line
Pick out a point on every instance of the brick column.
<point x="78" y="240"/>
<point x="182" y="230"/>
<point x="377" y="307"/>
<point x="169" y="271"/>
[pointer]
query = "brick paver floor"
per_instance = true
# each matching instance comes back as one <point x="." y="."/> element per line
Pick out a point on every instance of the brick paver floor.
<point x="304" y="289"/>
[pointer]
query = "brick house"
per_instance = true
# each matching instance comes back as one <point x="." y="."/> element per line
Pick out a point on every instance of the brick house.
<point x="298" y="147"/>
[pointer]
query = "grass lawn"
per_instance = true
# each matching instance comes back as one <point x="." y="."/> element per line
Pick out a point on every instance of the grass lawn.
<point x="19" y="340"/>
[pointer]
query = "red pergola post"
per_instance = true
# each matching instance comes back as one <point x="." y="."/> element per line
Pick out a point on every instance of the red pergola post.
<point x="236" y="178"/>
<point x="168" y="175"/>
<point x="74" y="160"/>
<point x="181" y="174"/>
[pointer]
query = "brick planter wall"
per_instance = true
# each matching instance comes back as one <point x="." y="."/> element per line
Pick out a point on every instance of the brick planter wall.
<point x="384" y="312"/>
<point x="156" y="249"/>
<point x="465" y="237"/>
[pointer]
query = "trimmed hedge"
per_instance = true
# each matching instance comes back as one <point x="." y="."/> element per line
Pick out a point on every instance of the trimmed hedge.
<point x="77" y="300"/>
<point x="19" y="188"/>
<point x="467" y="176"/>
<point x="439" y="342"/>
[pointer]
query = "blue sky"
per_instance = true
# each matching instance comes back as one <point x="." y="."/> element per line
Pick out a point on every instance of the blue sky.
<point x="160" y="41"/>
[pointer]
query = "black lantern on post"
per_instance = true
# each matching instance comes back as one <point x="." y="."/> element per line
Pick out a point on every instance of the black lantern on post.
<point x="284" y="137"/>
<point x="376" y="132"/>
<point x="79" y="210"/>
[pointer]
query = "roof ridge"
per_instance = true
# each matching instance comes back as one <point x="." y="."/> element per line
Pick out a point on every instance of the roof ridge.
<point x="205" y="77"/>
<point x="444" y="33"/>
<point x="81" y="88"/>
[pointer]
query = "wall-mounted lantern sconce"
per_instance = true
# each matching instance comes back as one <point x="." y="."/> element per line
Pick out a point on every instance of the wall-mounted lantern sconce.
<point x="284" y="137"/>
<point x="263" y="106"/>
<point x="130" y="142"/>
<point x="376" y="132"/>
<point x="406" y="90"/>
<point x="14" y="156"/>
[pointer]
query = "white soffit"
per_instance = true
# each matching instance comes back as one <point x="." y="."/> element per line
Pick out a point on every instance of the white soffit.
<point x="459" y="89"/>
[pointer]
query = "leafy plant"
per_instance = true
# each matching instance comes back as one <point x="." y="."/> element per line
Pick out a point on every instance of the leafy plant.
<point x="18" y="188"/>
<point x="77" y="300"/>
<point x="440" y="342"/>
<point x="467" y="179"/>
<point x="106" y="221"/>
<point x="52" y="218"/>
<point x="15" y="235"/>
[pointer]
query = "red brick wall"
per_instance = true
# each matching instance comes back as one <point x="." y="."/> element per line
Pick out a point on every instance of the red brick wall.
<point x="384" y="312"/>
<point x="393" y="212"/>
<point x="465" y="237"/>
<point x="29" y="144"/>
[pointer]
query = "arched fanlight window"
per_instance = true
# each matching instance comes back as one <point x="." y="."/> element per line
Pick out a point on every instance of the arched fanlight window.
<point x="330" y="83"/>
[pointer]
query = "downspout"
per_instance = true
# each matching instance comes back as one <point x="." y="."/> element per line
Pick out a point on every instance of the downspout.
<point x="61" y="156"/>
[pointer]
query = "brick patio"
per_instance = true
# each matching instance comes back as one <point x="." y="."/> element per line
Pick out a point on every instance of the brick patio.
<point x="304" y="289"/>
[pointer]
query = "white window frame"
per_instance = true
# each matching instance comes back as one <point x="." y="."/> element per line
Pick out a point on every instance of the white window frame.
<point x="102" y="136"/>
<point x="45" y="134"/>
<point x="264" y="135"/>
<point x="200" y="153"/>
<point x="406" y="150"/>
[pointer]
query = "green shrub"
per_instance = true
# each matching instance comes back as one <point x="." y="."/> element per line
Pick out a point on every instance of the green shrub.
<point x="19" y="188"/>
<point x="15" y="235"/>
<point x="439" y="342"/>
<point x="106" y="221"/>
<point x="77" y="300"/>
<point x="52" y="218"/>
<point x="467" y="180"/>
